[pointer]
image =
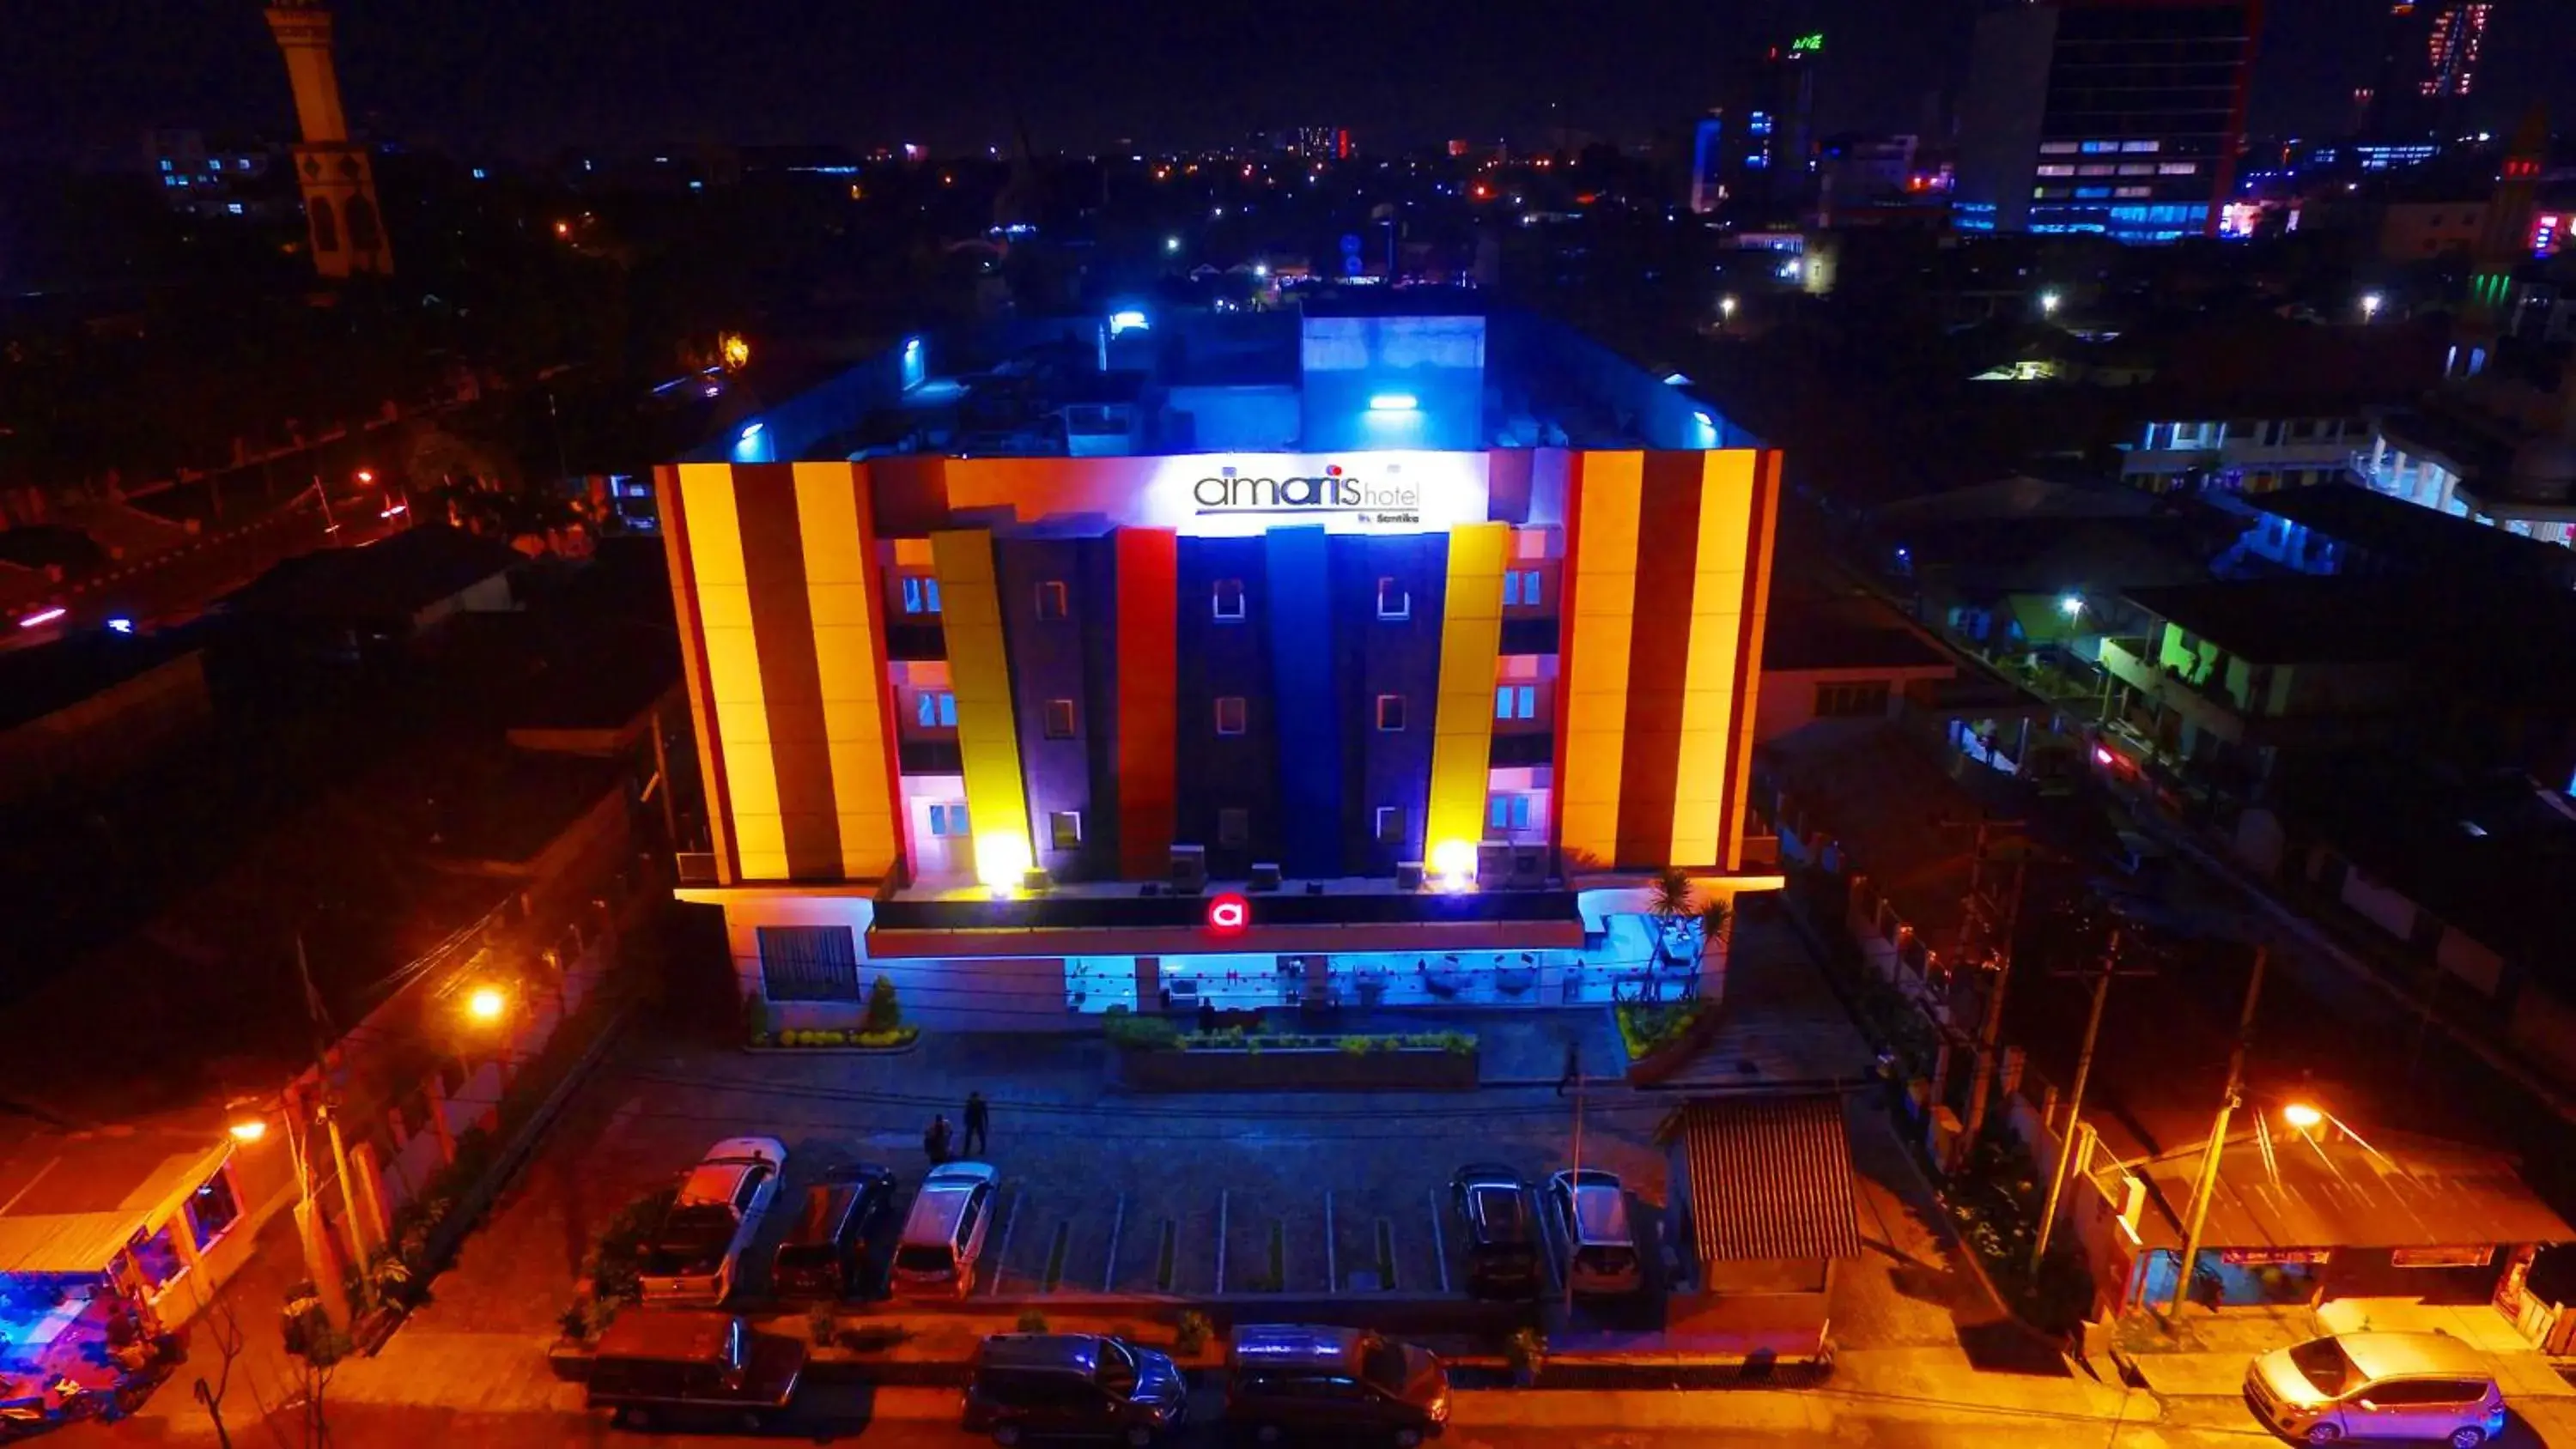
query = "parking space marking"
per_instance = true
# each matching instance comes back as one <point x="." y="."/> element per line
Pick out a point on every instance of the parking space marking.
<point x="1221" y="1194"/>
<point x="1053" y="1273"/>
<point x="1555" y="1269"/>
<point x="1002" y="1259"/>
<point x="1332" y="1253"/>
<point x="1385" y="1256"/>
<point x="1439" y="1247"/>
<point x="1109" y="1267"/>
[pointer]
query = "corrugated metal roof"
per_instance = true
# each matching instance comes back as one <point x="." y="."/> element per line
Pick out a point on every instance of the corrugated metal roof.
<point x="1770" y="1177"/>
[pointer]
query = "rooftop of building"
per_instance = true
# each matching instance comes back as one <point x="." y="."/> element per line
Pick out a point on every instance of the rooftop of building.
<point x="391" y="577"/>
<point x="2423" y="540"/>
<point x="2305" y="619"/>
<point x="39" y="681"/>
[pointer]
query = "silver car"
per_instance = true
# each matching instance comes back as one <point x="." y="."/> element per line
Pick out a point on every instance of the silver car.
<point x="2420" y="1386"/>
<point x="697" y="1255"/>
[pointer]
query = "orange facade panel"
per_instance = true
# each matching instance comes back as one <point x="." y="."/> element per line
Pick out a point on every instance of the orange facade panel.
<point x="1148" y="699"/>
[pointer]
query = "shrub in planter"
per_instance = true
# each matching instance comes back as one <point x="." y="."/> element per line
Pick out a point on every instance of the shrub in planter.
<point x="1526" y="1352"/>
<point x="884" y="1013"/>
<point x="755" y="1018"/>
<point x="575" y="1321"/>
<point x="1192" y="1333"/>
<point x="823" y="1325"/>
<point x="1132" y="1033"/>
<point x="1032" y="1321"/>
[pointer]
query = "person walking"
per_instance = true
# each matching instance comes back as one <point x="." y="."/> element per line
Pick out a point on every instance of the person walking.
<point x="979" y="1118"/>
<point x="935" y="1141"/>
<point x="1573" y="1068"/>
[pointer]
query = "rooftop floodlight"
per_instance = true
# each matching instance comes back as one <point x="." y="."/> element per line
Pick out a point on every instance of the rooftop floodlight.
<point x="1393" y="402"/>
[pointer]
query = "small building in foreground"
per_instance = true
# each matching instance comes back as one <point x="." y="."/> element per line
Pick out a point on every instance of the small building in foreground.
<point x="1762" y="1209"/>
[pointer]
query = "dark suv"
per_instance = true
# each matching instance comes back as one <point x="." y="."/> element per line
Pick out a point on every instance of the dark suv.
<point x="1501" y="1238"/>
<point x="1337" y="1385"/>
<point x="1025" y="1386"/>
<point x="824" y="1252"/>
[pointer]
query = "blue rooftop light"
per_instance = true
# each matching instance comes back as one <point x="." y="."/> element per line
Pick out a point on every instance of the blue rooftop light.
<point x="1127" y="319"/>
<point x="120" y="626"/>
<point x="1675" y="379"/>
<point x="1393" y="402"/>
<point x="749" y="432"/>
<point x="1705" y="420"/>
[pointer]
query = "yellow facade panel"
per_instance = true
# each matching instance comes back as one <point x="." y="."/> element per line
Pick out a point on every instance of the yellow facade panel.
<point x="979" y="670"/>
<point x="1709" y="702"/>
<point x="1763" y="508"/>
<point x="733" y="669"/>
<point x="845" y="656"/>
<point x="1471" y="637"/>
<point x="1596" y="678"/>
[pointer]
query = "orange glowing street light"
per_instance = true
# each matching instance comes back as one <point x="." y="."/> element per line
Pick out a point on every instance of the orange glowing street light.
<point x="248" y="1129"/>
<point x="2302" y="1116"/>
<point x="486" y="1003"/>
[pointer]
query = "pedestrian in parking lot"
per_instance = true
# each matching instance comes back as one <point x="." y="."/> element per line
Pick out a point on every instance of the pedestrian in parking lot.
<point x="1573" y="1069"/>
<point x="935" y="1141"/>
<point x="979" y="1117"/>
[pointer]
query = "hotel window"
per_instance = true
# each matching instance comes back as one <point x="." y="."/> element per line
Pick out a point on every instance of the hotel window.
<point x="1507" y="812"/>
<point x="1052" y="601"/>
<point x="1230" y="713"/>
<point x="2134" y="192"/>
<point x="2178" y="168"/>
<point x="1516" y="701"/>
<point x="2137" y="168"/>
<point x="1394" y="601"/>
<point x="920" y="594"/>
<point x="1234" y="827"/>
<point x="1851" y="701"/>
<point x="808" y="963"/>
<point x="2057" y="169"/>
<point x="1520" y="588"/>
<point x="1227" y="599"/>
<point x="1064" y="829"/>
<point x="1390" y="824"/>
<point x="934" y="709"/>
<point x="1059" y="719"/>
<point x="1390" y="712"/>
<point x="2141" y="145"/>
<point x="213" y="1209"/>
<point x="2056" y="148"/>
<point x="948" y="821"/>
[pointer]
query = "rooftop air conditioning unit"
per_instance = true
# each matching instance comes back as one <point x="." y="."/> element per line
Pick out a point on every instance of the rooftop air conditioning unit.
<point x="1035" y="881"/>
<point x="1529" y="867"/>
<point x="1493" y="863"/>
<point x="1265" y="875"/>
<point x="1408" y="875"/>
<point x="1189" y="869"/>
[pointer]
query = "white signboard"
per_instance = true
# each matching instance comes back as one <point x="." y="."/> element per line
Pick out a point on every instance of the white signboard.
<point x="1242" y="495"/>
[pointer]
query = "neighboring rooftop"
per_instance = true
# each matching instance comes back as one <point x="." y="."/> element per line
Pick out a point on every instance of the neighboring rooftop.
<point x="39" y="681"/>
<point x="390" y="578"/>
<point x="2301" y="620"/>
<point x="2402" y="537"/>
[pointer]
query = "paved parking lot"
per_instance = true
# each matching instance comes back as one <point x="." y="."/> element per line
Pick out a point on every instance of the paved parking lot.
<point x="1102" y="1191"/>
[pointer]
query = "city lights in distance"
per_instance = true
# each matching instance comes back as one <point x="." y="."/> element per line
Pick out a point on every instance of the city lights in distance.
<point x="1726" y="307"/>
<point x="366" y="477"/>
<point x="2102" y="755"/>
<point x="1393" y="402"/>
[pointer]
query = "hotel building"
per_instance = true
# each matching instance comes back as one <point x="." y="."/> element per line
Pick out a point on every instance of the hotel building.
<point x="1052" y="704"/>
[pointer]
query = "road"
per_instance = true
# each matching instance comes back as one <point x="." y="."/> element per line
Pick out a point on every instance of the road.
<point x="908" y="1418"/>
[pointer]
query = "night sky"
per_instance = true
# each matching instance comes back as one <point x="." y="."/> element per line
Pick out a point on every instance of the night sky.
<point x="530" y="76"/>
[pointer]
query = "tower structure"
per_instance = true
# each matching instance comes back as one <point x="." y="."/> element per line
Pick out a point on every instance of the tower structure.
<point x="337" y="177"/>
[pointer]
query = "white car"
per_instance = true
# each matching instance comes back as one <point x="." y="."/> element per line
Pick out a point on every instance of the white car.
<point x="1591" y="1211"/>
<point x="696" y="1257"/>
<point x="943" y="1236"/>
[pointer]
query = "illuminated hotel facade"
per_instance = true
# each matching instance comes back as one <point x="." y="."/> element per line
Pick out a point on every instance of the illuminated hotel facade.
<point x="1038" y="735"/>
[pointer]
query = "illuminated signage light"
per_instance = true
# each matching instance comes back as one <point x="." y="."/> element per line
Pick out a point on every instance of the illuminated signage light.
<point x="1812" y="43"/>
<point x="120" y="626"/>
<point x="1229" y="915"/>
<point x="1126" y="320"/>
<point x="41" y="617"/>
<point x="1393" y="402"/>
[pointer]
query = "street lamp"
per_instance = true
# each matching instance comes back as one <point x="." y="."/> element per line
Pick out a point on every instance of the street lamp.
<point x="486" y="1003"/>
<point x="1726" y="307"/>
<point x="1171" y="244"/>
<point x="2048" y="304"/>
<point x="2071" y="605"/>
<point x="2302" y="1116"/>
<point x="2370" y="305"/>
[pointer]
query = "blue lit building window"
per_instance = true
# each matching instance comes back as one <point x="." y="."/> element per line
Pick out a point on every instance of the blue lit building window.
<point x="934" y="709"/>
<point x="1508" y="812"/>
<point x="949" y="820"/>
<point x="1515" y="701"/>
<point x="920" y="594"/>
<point x="165" y="163"/>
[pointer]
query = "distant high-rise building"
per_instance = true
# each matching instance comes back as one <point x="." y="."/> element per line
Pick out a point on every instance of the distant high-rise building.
<point x="346" y="228"/>
<point x="1317" y="143"/>
<point x="2120" y="117"/>
<point x="2429" y="68"/>
<point x="1764" y="146"/>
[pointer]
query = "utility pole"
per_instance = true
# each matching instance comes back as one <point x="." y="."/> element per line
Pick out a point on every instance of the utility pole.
<point x="2207" y="1187"/>
<point x="2110" y="967"/>
<point x="331" y="1118"/>
<point x="1989" y="922"/>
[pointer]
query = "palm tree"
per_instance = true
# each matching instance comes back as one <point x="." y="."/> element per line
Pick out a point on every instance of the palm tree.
<point x="1670" y="897"/>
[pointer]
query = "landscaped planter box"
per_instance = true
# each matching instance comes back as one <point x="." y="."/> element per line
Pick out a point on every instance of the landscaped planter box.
<point x="1295" y="1069"/>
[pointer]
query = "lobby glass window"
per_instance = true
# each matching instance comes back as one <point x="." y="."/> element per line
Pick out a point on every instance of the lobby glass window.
<point x="1227" y="599"/>
<point x="1390" y="712"/>
<point x="1053" y="600"/>
<point x="1515" y="701"/>
<point x="948" y="820"/>
<point x="808" y="963"/>
<point x="1059" y="719"/>
<point x="1064" y="829"/>
<point x="1508" y="812"/>
<point x="1389" y="826"/>
<point x="1394" y="601"/>
<point x="1851" y="701"/>
<point x="1234" y="827"/>
<point x="920" y="594"/>
<point x="934" y="709"/>
<point x="1231" y="712"/>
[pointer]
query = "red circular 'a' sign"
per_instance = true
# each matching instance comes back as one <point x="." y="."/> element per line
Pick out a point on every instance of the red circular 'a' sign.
<point x="1229" y="914"/>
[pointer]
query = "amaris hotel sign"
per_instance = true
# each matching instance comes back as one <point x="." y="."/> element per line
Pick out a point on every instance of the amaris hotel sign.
<point x="1221" y="495"/>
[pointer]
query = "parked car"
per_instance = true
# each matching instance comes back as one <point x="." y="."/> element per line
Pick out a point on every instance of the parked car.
<point x="657" y="1366"/>
<point x="1591" y="1209"/>
<point x="1073" y="1386"/>
<point x="824" y="1253"/>
<point x="943" y="1235"/>
<point x="1336" y="1385"/>
<point x="697" y="1255"/>
<point x="2424" y="1386"/>
<point x="1501" y="1237"/>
